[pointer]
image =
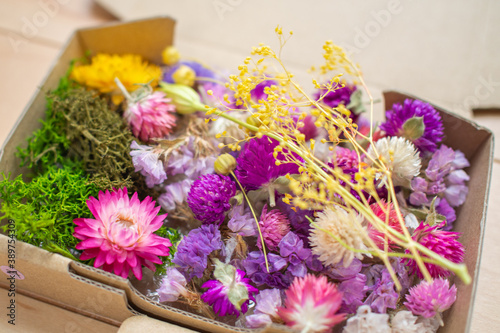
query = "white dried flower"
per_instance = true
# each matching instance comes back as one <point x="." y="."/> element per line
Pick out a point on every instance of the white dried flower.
<point x="430" y="325"/>
<point x="367" y="322"/>
<point x="346" y="226"/>
<point x="400" y="156"/>
<point x="406" y="322"/>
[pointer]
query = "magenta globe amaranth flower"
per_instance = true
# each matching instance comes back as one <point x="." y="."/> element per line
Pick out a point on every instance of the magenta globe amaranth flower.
<point x="121" y="236"/>
<point x="209" y="197"/>
<point x="430" y="298"/>
<point x="151" y="116"/>
<point x="417" y="121"/>
<point x="443" y="243"/>
<point x="311" y="304"/>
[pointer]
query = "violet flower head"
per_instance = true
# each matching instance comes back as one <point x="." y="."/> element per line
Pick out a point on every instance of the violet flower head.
<point x="242" y="222"/>
<point x="443" y="243"/>
<point x="230" y="293"/>
<point x="172" y="286"/>
<point x="175" y="194"/>
<point x="256" y="164"/>
<point x="397" y="124"/>
<point x="209" y="197"/>
<point x="299" y="258"/>
<point x="383" y="295"/>
<point x="147" y="161"/>
<point x="430" y="298"/>
<point x="193" y="250"/>
<point x="267" y="303"/>
<point x="199" y="70"/>
<point x="259" y="92"/>
<point x="255" y="267"/>
<point x="339" y="96"/>
<point x="346" y="158"/>
<point x="298" y="219"/>
<point x="342" y="273"/>
<point x="353" y="290"/>
<point x="274" y="226"/>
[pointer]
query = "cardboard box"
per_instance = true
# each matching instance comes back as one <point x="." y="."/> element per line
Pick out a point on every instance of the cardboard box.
<point x="95" y="293"/>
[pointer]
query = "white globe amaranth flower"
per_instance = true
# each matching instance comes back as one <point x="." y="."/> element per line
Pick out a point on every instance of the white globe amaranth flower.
<point x="400" y="156"/>
<point x="337" y="223"/>
<point x="406" y="322"/>
<point x="367" y="322"/>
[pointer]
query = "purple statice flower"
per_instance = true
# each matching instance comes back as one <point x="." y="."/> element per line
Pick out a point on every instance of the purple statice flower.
<point x="185" y="161"/>
<point x="274" y="226"/>
<point x="219" y="292"/>
<point x="441" y="242"/>
<point x="256" y="165"/>
<point x="430" y="298"/>
<point x="400" y="114"/>
<point x="266" y="308"/>
<point x="209" y="197"/>
<point x="200" y="70"/>
<point x="299" y="258"/>
<point x="255" y="267"/>
<point x="193" y="250"/>
<point x="242" y="222"/>
<point x="175" y="194"/>
<point x="297" y="218"/>
<point x="353" y="291"/>
<point x="147" y="161"/>
<point x="444" y="179"/>
<point x="383" y="294"/>
<point x="341" y="273"/>
<point x="339" y="96"/>
<point x="172" y="286"/>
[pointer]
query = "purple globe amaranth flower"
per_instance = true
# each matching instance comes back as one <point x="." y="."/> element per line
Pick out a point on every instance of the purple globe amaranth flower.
<point x="147" y="161"/>
<point x="383" y="294"/>
<point x="256" y="165"/>
<point x="399" y="123"/>
<point x="209" y="197"/>
<point x="430" y="298"/>
<point x="193" y="250"/>
<point x="443" y="243"/>
<point x="274" y="226"/>
<point x="230" y="293"/>
<point x="259" y="92"/>
<point x="339" y="96"/>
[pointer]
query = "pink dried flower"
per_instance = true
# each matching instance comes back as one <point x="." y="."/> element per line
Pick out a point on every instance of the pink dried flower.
<point x="430" y="298"/>
<point x="121" y="237"/>
<point x="346" y="158"/>
<point x="381" y="209"/>
<point x="151" y="116"/>
<point x="311" y="304"/>
<point x="443" y="243"/>
<point x="274" y="225"/>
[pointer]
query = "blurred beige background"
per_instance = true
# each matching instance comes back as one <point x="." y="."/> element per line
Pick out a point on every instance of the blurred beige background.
<point x="446" y="52"/>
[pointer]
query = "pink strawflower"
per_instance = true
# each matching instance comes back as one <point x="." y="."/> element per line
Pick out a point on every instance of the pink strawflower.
<point x="378" y="236"/>
<point x="430" y="298"/>
<point x="311" y="304"/>
<point x="274" y="225"/>
<point x="444" y="243"/>
<point x="121" y="237"/>
<point x="151" y="116"/>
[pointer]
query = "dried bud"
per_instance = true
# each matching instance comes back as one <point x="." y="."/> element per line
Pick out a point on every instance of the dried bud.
<point x="224" y="164"/>
<point x="184" y="75"/>
<point x="170" y="55"/>
<point x="185" y="99"/>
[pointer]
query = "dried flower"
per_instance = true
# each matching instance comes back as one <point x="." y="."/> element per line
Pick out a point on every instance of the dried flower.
<point x="386" y="213"/>
<point x="430" y="298"/>
<point x="172" y="286"/>
<point x="406" y="322"/>
<point x="242" y="222"/>
<point x="266" y="308"/>
<point x="230" y="293"/>
<point x="341" y="95"/>
<point x="311" y="304"/>
<point x="151" y="116"/>
<point x="383" y="295"/>
<point x="175" y="194"/>
<point x="224" y="164"/>
<point x="299" y="257"/>
<point x="184" y="75"/>
<point x="353" y="291"/>
<point x="130" y="69"/>
<point x="367" y="322"/>
<point x="185" y="99"/>
<point x="400" y="157"/>
<point x="147" y="161"/>
<point x="342" y="224"/>
<point x="346" y="158"/>
<point x="209" y="197"/>
<point x="426" y="135"/>
<point x="443" y="243"/>
<point x="193" y="250"/>
<point x="170" y="55"/>
<point x="121" y="236"/>
<point x="255" y="267"/>
<point x="274" y="226"/>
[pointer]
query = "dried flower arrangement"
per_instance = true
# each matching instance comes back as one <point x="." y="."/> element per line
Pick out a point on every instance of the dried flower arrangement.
<point x="254" y="201"/>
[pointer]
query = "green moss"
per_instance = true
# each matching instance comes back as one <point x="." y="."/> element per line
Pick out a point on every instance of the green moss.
<point x="43" y="209"/>
<point x="175" y="237"/>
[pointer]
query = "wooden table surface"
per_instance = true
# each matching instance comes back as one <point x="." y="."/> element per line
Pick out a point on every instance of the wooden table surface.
<point x="32" y="34"/>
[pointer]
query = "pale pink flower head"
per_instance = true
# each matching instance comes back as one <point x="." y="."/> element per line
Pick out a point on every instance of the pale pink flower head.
<point x="151" y="116"/>
<point x="311" y="304"/>
<point x="274" y="225"/>
<point x="430" y="298"/>
<point x="121" y="236"/>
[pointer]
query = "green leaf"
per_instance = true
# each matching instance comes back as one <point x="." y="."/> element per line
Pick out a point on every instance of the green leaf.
<point x="414" y="128"/>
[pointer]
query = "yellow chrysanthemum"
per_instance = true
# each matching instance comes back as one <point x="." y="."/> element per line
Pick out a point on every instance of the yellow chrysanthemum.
<point x="131" y="69"/>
